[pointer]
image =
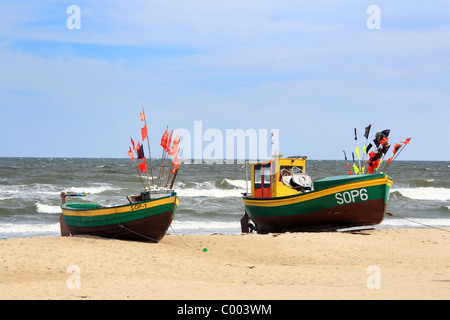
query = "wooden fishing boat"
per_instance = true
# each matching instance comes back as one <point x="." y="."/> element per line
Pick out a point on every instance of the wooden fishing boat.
<point x="142" y="219"/>
<point x="284" y="199"/>
<point x="147" y="216"/>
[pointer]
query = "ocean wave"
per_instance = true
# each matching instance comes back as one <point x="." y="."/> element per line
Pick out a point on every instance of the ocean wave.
<point x="44" y="208"/>
<point x="429" y="182"/>
<point x="424" y="193"/>
<point x="415" y="223"/>
<point x="202" y="226"/>
<point x="212" y="193"/>
<point x="223" y="188"/>
<point x="91" y="189"/>
<point x="241" y="184"/>
<point x="28" y="230"/>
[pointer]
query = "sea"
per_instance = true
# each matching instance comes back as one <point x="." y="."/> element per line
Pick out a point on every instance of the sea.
<point x="209" y="194"/>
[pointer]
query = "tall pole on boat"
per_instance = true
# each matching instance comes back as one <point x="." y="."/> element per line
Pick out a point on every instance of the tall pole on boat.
<point x="396" y="155"/>
<point x="357" y="151"/>
<point x="161" y="167"/>
<point x="366" y="134"/>
<point x="130" y="153"/>
<point x="148" y="143"/>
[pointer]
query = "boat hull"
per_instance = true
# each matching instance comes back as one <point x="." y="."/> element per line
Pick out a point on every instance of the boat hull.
<point x="338" y="203"/>
<point x="141" y="221"/>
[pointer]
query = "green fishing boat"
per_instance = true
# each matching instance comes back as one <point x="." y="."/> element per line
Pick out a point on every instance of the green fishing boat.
<point x="284" y="199"/>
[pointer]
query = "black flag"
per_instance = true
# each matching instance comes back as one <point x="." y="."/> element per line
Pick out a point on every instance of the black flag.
<point x="366" y="134"/>
<point x="140" y="152"/>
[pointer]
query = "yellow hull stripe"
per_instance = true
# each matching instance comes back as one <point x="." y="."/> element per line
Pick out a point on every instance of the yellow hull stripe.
<point x="318" y="194"/>
<point x="120" y="209"/>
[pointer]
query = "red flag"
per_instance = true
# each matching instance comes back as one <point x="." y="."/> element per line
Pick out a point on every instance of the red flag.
<point x="175" y="159"/>
<point x="144" y="132"/>
<point x="175" y="168"/>
<point x="143" y="166"/>
<point x="349" y="170"/>
<point x="130" y="153"/>
<point x="383" y="140"/>
<point x="406" y="141"/>
<point x="164" y="139"/>
<point x="142" y="116"/>
<point x="176" y="142"/>
<point x="396" y="148"/>
<point x="132" y="142"/>
<point x="169" y="140"/>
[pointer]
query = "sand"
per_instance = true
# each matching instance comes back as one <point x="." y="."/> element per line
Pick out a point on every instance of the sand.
<point x="375" y="264"/>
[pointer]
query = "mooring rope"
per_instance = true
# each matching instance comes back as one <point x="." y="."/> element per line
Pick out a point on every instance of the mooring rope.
<point x="423" y="224"/>
<point x="179" y="237"/>
<point x="148" y="238"/>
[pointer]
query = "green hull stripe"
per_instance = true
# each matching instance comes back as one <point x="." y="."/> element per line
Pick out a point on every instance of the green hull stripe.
<point x="115" y="218"/>
<point x="321" y="203"/>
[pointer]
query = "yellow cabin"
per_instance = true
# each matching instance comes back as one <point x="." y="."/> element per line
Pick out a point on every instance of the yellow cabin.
<point x="279" y="177"/>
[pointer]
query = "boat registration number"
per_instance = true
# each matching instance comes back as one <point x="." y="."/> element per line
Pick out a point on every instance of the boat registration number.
<point x="138" y="206"/>
<point x="351" y="196"/>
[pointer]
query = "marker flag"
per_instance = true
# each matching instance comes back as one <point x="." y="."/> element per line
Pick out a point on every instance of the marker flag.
<point x="142" y="116"/>
<point x="396" y="148"/>
<point x="383" y="140"/>
<point x="144" y="132"/>
<point x="164" y="139"/>
<point x="366" y="134"/>
<point x="177" y="164"/>
<point x="349" y="169"/>
<point x="176" y="142"/>
<point x="130" y="153"/>
<point x="143" y="166"/>
<point x="169" y="140"/>
<point x="406" y="141"/>
<point x="140" y="152"/>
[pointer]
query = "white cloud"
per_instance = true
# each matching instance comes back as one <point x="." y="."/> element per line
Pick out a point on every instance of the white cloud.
<point x="311" y="58"/>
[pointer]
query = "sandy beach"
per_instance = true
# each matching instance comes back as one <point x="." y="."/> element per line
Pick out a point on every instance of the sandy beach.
<point x="373" y="264"/>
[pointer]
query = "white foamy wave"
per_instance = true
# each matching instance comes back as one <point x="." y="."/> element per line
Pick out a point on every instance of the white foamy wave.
<point x="208" y="189"/>
<point x="241" y="184"/>
<point x="90" y="190"/>
<point x="212" y="193"/>
<point x="205" y="226"/>
<point x="28" y="230"/>
<point x="423" y="193"/>
<point x="415" y="223"/>
<point x="44" y="208"/>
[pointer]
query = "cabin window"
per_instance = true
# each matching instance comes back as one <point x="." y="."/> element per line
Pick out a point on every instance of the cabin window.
<point x="257" y="176"/>
<point x="266" y="175"/>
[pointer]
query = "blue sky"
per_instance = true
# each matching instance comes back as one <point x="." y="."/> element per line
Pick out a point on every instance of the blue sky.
<point x="312" y="69"/>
